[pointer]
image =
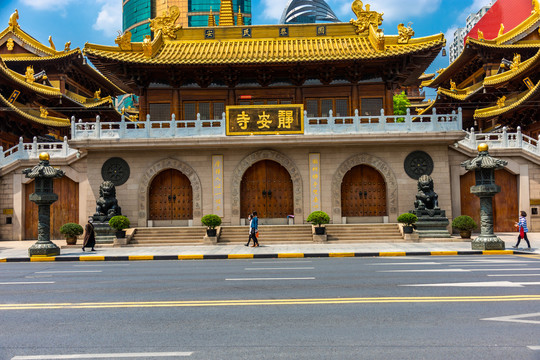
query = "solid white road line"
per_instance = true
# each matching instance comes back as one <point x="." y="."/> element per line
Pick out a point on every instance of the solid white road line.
<point x="278" y="261"/>
<point x="460" y="270"/>
<point x="517" y="318"/>
<point x="98" y="265"/>
<point x="412" y="263"/>
<point x="283" y="268"/>
<point x="520" y="275"/>
<point x="26" y="282"/>
<point x="101" y="356"/>
<point x="68" y="271"/>
<point x="534" y="347"/>
<point x="257" y="279"/>
<point x="480" y="284"/>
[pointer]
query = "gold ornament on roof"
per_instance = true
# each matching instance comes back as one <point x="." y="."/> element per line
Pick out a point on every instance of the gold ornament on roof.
<point x="500" y="101"/>
<point x="166" y="23"/>
<point x="452" y="85"/>
<point x="147" y="46"/>
<point x="536" y="6"/>
<point x="29" y="74"/>
<point x="10" y="44"/>
<point x="440" y="71"/>
<point x="239" y="18"/>
<point x="51" y="43"/>
<point x="124" y="40"/>
<point x="405" y="33"/>
<point x="211" y="18"/>
<point x="501" y="30"/>
<point x="365" y="18"/>
<point x="481" y="35"/>
<point x="516" y="62"/>
<point x="43" y="112"/>
<point x="67" y="46"/>
<point x="97" y="94"/>
<point x="13" y="23"/>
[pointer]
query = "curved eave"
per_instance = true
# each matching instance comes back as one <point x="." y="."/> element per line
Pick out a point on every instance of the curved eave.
<point x="506" y="76"/>
<point x="430" y="106"/>
<point x="48" y="121"/>
<point x="462" y="94"/>
<point x="29" y="40"/>
<point x="512" y="104"/>
<point x="35" y="87"/>
<point x="524" y="28"/>
<point x="90" y="104"/>
<point x="466" y="55"/>
<point x="264" y="51"/>
<point x="37" y="59"/>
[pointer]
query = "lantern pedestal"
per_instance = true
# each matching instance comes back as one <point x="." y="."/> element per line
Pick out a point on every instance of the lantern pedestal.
<point x="44" y="246"/>
<point x="487" y="240"/>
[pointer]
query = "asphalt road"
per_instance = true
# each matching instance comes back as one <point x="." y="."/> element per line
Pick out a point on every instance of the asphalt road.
<point x="466" y="307"/>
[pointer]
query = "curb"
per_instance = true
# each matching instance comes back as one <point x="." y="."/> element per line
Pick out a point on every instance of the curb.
<point x="257" y="256"/>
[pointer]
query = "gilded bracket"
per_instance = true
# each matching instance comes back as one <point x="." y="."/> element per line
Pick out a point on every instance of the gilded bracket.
<point x="166" y="23"/>
<point x="365" y="18"/>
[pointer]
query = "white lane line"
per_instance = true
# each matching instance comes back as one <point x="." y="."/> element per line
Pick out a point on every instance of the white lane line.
<point x="412" y="263"/>
<point x="26" y="282"/>
<point x="68" y="271"/>
<point x="99" y="265"/>
<point x="534" y="347"/>
<point x="520" y="275"/>
<point x="517" y="318"/>
<point x="262" y="279"/>
<point x="283" y="268"/>
<point x="281" y="262"/>
<point x="428" y="270"/>
<point x="472" y="284"/>
<point x="513" y="264"/>
<point x="101" y="356"/>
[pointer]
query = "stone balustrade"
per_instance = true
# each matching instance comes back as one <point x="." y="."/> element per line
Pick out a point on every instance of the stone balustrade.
<point x="504" y="140"/>
<point x="25" y="151"/>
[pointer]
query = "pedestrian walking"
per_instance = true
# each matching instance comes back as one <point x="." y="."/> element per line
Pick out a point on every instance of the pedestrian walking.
<point x="89" y="235"/>
<point x="250" y="217"/>
<point x="253" y="229"/>
<point x="522" y="228"/>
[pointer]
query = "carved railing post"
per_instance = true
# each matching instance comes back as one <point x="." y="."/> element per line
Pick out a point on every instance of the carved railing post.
<point x="98" y="127"/>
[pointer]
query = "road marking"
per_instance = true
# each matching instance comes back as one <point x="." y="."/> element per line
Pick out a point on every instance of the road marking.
<point x="283" y="268"/>
<point x="97" y="265"/>
<point x="271" y="302"/>
<point x="26" y="282"/>
<point x="517" y="318"/>
<point x="412" y="263"/>
<point x="520" y="275"/>
<point x="481" y="284"/>
<point x="67" y="271"/>
<point x="278" y="261"/>
<point x="257" y="279"/>
<point x="534" y="347"/>
<point x="459" y="270"/>
<point x="102" y="356"/>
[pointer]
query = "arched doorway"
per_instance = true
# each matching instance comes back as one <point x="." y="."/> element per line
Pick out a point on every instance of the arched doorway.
<point x="64" y="210"/>
<point x="363" y="193"/>
<point x="505" y="203"/>
<point x="170" y="198"/>
<point x="267" y="188"/>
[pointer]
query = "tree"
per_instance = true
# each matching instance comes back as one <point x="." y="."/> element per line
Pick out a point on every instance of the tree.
<point x="401" y="103"/>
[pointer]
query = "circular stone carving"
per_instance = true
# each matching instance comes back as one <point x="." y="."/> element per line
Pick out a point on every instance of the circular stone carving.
<point x="116" y="170"/>
<point x="418" y="163"/>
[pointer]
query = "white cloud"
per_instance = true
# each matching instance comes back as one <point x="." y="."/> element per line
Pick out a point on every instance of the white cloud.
<point x="273" y="9"/>
<point x="109" y="19"/>
<point x="46" y="4"/>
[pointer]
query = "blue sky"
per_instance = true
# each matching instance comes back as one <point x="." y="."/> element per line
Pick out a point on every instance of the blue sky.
<point x="98" y="21"/>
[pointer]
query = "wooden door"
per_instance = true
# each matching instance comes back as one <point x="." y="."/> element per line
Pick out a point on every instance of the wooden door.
<point x="267" y="188"/>
<point x="505" y="203"/>
<point x="363" y="192"/>
<point x="64" y="210"/>
<point x="170" y="197"/>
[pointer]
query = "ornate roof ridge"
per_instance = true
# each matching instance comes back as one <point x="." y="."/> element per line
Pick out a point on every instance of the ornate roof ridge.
<point x="510" y="74"/>
<point x="49" y="120"/>
<point x="461" y="94"/>
<point x="513" y="103"/>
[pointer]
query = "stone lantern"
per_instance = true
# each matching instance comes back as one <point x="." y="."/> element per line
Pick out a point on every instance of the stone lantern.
<point x="43" y="175"/>
<point x="485" y="188"/>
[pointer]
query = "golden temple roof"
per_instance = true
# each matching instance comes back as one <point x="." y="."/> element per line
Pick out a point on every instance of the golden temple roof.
<point x="507" y="104"/>
<point x="462" y="94"/>
<point x="506" y="76"/>
<point x="49" y="120"/>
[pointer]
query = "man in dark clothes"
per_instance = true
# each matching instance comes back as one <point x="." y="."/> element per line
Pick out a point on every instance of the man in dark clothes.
<point x="90" y="235"/>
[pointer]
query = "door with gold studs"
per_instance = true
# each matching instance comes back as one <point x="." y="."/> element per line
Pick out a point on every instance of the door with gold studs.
<point x="363" y="192"/>
<point x="171" y="196"/>
<point x="267" y="188"/>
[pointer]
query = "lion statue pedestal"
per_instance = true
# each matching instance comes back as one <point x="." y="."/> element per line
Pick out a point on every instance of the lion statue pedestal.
<point x="106" y="208"/>
<point x="432" y="221"/>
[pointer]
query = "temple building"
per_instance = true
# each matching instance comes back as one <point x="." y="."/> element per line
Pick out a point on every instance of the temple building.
<point x="41" y="88"/>
<point x="279" y="119"/>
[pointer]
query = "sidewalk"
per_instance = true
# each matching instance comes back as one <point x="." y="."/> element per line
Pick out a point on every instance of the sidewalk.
<point x="13" y="251"/>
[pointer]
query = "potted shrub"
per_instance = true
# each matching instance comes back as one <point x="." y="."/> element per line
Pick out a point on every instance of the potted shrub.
<point x="71" y="231"/>
<point x="119" y="223"/>
<point x="465" y="224"/>
<point x="319" y="218"/>
<point x="211" y="221"/>
<point x="407" y="219"/>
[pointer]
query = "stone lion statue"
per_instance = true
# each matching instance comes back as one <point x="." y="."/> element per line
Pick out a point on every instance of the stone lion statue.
<point x="426" y="198"/>
<point x="107" y="205"/>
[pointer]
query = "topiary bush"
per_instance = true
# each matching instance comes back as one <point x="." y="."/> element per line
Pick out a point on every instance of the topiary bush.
<point x="407" y="218"/>
<point x="211" y="221"/>
<point x="318" y="218"/>
<point x="119" y="222"/>
<point x="71" y="229"/>
<point x="464" y="222"/>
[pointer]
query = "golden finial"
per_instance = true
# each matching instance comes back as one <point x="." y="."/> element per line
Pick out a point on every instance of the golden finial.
<point x="67" y="46"/>
<point x="239" y="18"/>
<point x="97" y="94"/>
<point x="501" y="30"/>
<point x="29" y="74"/>
<point x="44" y="156"/>
<point x="211" y="18"/>
<point x="405" y="33"/>
<point x="481" y="35"/>
<point x="516" y="62"/>
<point x="453" y="85"/>
<point x="51" y="42"/>
<point x="483" y="147"/>
<point x="13" y="23"/>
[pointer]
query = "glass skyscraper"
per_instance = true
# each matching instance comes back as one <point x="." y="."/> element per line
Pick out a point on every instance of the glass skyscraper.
<point x="136" y="13"/>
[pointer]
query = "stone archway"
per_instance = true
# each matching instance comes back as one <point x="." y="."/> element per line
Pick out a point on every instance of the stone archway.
<point x="381" y="167"/>
<point x="146" y="180"/>
<point x="251" y="159"/>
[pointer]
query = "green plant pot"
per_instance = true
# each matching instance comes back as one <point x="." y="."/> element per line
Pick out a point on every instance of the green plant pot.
<point x="121" y="234"/>
<point x="407" y="229"/>
<point x="71" y="240"/>
<point x="319" y="230"/>
<point x="211" y="232"/>
<point x="465" y="234"/>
